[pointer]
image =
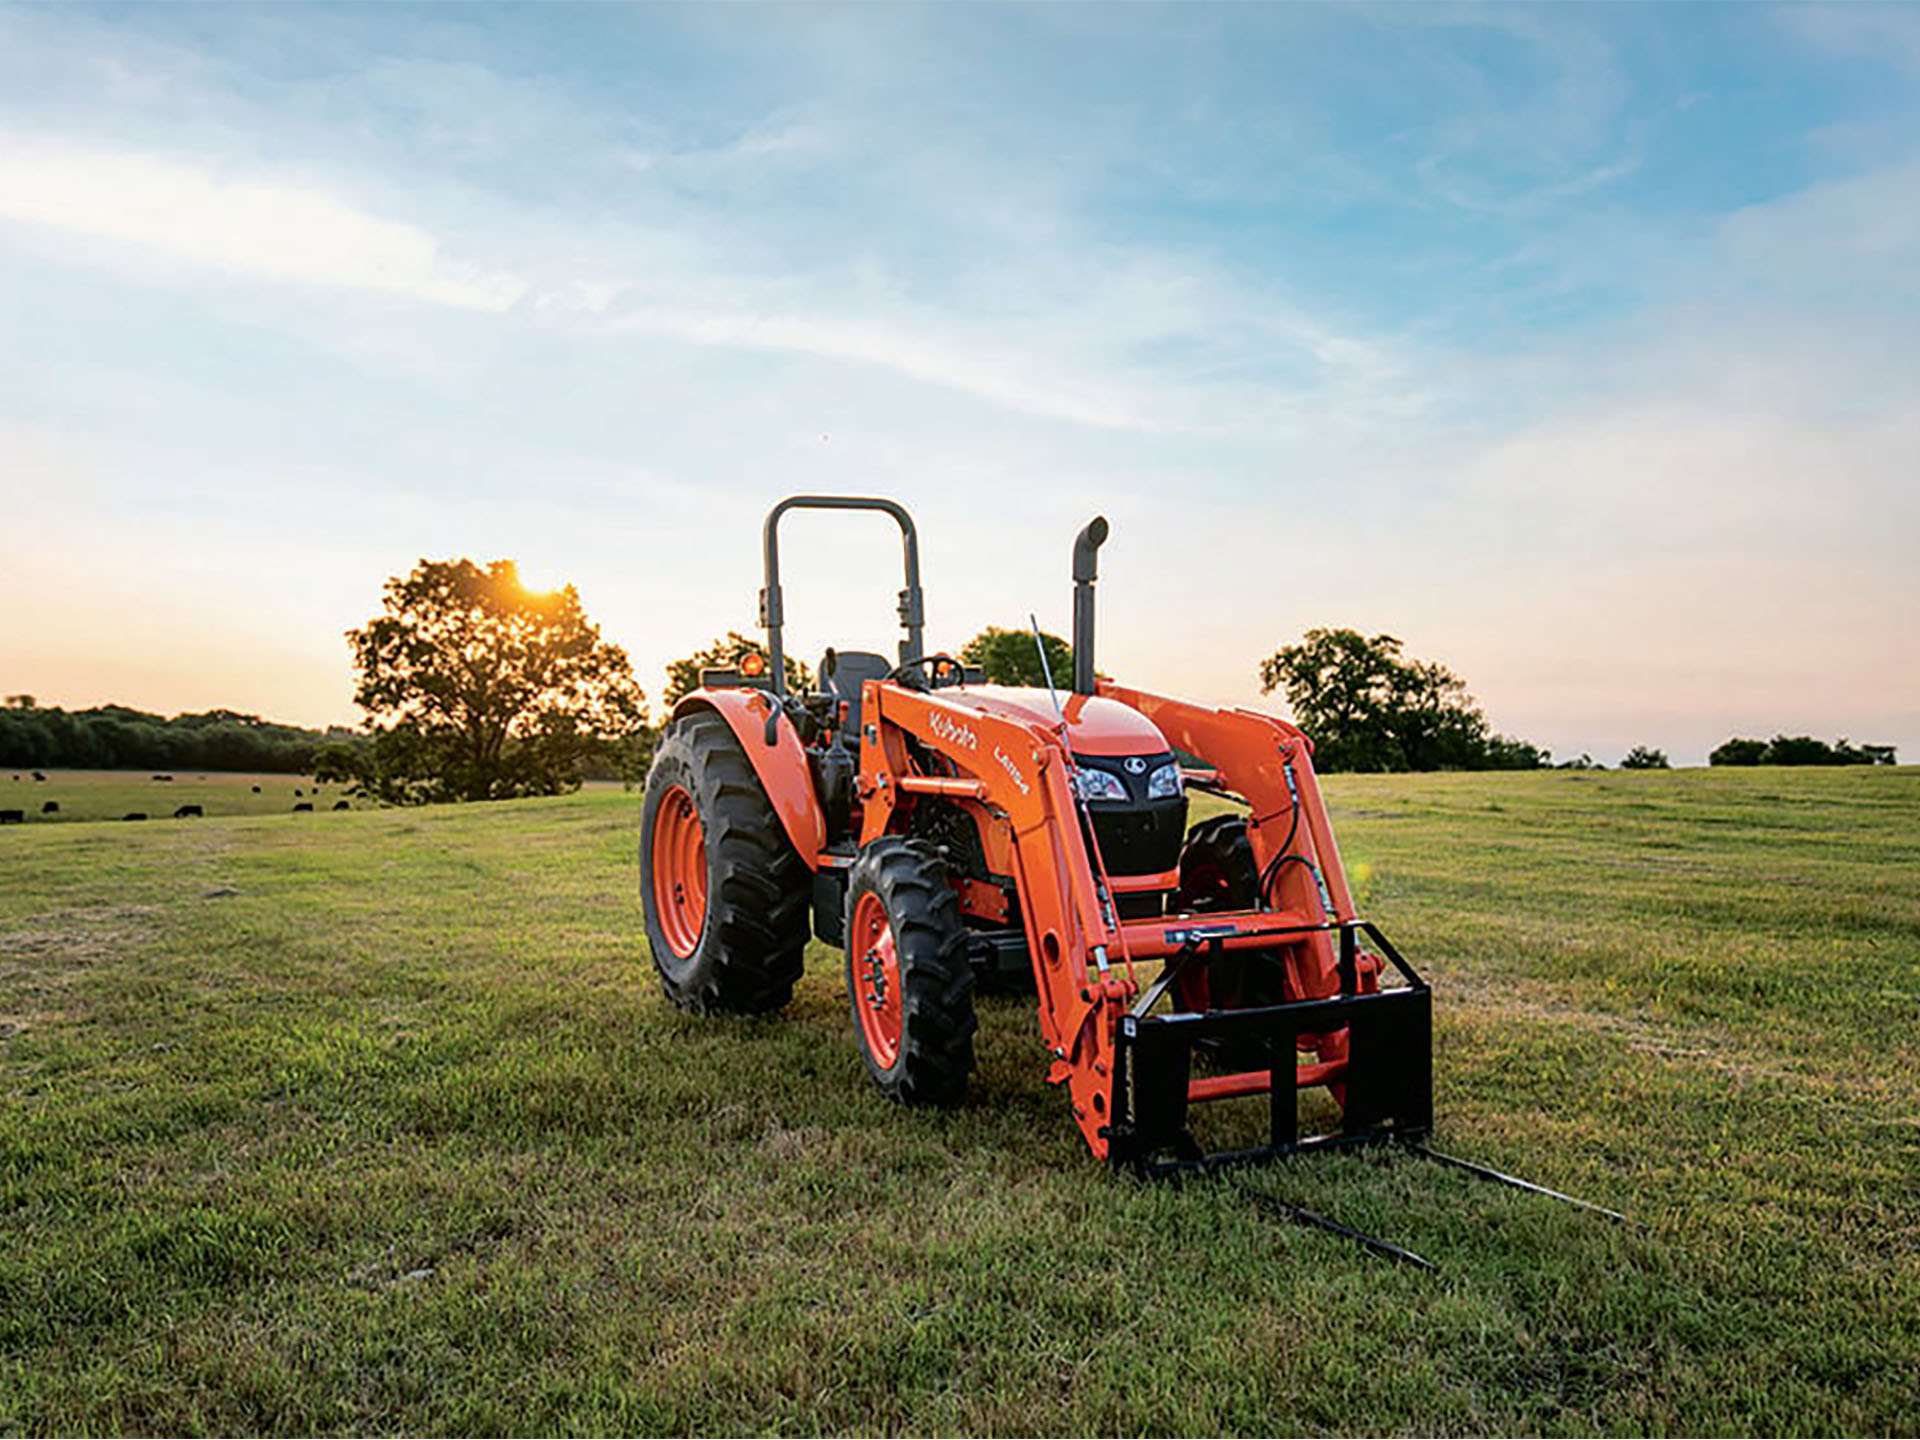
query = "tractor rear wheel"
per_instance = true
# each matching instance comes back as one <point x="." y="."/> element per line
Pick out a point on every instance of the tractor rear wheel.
<point x="726" y="895"/>
<point x="908" y="979"/>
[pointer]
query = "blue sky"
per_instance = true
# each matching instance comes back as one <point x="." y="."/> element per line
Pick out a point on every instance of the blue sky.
<point x="1577" y="346"/>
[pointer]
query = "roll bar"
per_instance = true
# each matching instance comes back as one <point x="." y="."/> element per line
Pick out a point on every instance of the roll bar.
<point x="772" y="611"/>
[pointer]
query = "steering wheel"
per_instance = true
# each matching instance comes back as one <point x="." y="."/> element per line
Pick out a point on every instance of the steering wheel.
<point x="931" y="668"/>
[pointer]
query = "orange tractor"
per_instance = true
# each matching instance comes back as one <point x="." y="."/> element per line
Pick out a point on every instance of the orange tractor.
<point x="948" y="833"/>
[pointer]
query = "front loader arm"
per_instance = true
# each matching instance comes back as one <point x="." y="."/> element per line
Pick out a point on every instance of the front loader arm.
<point x="1267" y="761"/>
<point x="1018" y="771"/>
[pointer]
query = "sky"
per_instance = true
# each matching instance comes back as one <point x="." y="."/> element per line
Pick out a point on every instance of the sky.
<point x="1576" y="346"/>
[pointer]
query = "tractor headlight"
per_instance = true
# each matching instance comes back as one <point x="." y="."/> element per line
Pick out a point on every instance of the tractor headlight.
<point x="1164" y="782"/>
<point x="1099" y="785"/>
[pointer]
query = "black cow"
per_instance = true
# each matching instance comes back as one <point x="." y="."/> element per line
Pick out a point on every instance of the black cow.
<point x="256" y="789"/>
<point x="341" y="805"/>
<point x="303" y="805"/>
<point x="52" y="807"/>
<point x="186" y="812"/>
<point x="13" y="817"/>
<point x="134" y="815"/>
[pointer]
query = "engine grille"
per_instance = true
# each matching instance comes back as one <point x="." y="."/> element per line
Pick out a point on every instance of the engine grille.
<point x="1142" y="837"/>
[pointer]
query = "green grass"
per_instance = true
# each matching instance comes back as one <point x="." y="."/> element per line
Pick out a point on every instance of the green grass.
<point x="377" y="1121"/>
<point x="113" y="794"/>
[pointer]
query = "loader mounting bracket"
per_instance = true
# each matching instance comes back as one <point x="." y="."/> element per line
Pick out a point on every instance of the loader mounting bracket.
<point x="1388" y="1073"/>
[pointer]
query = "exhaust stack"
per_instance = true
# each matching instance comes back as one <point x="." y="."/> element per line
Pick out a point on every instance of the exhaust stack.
<point x="1086" y="569"/>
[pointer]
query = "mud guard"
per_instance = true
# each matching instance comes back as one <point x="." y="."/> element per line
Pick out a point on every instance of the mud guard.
<point x="781" y="766"/>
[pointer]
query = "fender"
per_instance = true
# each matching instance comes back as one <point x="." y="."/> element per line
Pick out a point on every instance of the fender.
<point x="782" y="766"/>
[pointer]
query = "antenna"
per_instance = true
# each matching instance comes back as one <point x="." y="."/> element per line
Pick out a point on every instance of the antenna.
<point x="1047" y="671"/>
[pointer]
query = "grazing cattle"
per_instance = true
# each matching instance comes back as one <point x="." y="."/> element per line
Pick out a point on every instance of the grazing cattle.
<point x="256" y="789"/>
<point x="297" y="793"/>
<point x="303" y="805"/>
<point x="13" y="817"/>
<point x="38" y="776"/>
<point x="52" y="807"/>
<point x="163" y="777"/>
<point x="187" y="812"/>
<point x="341" y="805"/>
<point x="134" y="815"/>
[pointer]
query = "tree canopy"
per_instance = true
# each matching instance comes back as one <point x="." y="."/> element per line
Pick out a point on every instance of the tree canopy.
<point x="1799" y="750"/>
<point x="683" y="676"/>
<point x="477" y="688"/>
<point x="1368" y="707"/>
<point x="1008" y="657"/>
<point x="114" y="737"/>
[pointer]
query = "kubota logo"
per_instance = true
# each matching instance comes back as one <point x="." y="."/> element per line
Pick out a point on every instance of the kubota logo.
<point x="1006" y="763"/>
<point x="953" y="734"/>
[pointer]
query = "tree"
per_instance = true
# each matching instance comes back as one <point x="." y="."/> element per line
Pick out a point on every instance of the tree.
<point x="1340" y="685"/>
<point x="1797" y="750"/>
<point x="117" y="736"/>
<point x="1368" y="708"/>
<point x="477" y="688"/>
<point x="337" y="763"/>
<point x="1800" y="750"/>
<point x="1506" y="753"/>
<point x="1641" y="758"/>
<point x="1009" y="657"/>
<point x="683" y="676"/>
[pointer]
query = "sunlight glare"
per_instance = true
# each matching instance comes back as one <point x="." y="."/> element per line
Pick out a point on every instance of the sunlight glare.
<point x="537" y="580"/>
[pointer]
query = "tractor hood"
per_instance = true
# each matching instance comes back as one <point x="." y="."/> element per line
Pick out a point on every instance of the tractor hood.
<point x="1095" y="724"/>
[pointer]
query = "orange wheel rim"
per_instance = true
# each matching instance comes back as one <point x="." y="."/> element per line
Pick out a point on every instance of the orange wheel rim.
<point x="679" y="871"/>
<point x="876" y="980"/>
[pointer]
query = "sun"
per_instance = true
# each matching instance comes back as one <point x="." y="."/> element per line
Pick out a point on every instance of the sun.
<point x="536" y="579"/>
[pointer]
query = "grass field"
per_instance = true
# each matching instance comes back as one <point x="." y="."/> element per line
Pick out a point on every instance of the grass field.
<point x="376" y="1121"/>
<point x="115" y="794"/>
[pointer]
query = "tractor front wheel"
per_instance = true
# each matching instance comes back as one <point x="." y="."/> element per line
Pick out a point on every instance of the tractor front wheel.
<point x="725" y="893"/>
<point x="1216" y="867"/>
<point x="908" y="980"/>
<point x="1217" y="872"/>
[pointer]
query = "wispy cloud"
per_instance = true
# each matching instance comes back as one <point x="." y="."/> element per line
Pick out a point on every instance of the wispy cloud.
<point x="996" y="378"/>
<point x="1883" y="32"/>
<point x="257" y="227"/>
<point x="1427" y="320"/>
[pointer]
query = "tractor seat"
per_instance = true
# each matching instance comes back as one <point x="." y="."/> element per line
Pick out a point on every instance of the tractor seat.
<point x="850" y="669"/>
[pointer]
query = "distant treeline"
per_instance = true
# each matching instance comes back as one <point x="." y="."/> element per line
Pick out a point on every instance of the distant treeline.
<point x="1800" y="750"/>
<point x="112" y="737"/>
